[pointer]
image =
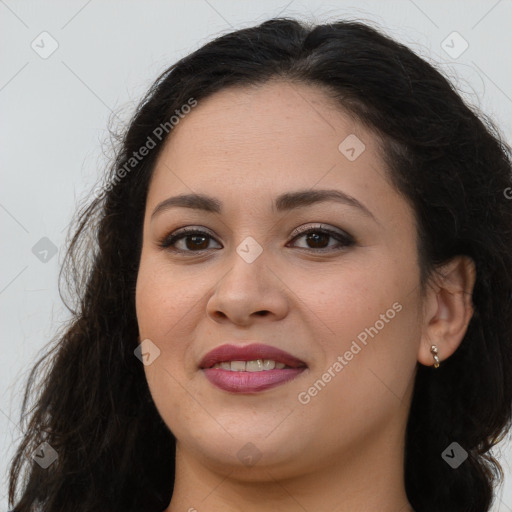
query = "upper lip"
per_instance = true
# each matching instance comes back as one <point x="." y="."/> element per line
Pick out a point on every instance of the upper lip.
<point x="250" y="352"/>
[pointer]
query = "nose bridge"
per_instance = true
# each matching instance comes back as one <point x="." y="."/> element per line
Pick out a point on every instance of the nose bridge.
<point x="248" y="263"/>
<point x="249" y="286"/>
<point x="249" y="250"/>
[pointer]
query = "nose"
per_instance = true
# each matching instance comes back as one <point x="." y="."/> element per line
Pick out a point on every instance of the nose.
<point x="248" y="293"/>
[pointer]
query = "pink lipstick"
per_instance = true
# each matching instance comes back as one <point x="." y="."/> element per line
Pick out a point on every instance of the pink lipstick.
<point x="251" y="368"/>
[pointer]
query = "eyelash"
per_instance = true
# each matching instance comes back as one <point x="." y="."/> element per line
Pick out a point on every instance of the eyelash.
<point x="344" y="239"/>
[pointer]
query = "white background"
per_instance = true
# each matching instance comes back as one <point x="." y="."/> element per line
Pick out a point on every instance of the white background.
<point x="55" y="113"/>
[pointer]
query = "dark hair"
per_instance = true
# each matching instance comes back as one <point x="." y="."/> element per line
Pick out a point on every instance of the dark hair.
<point x="93" y="404"/>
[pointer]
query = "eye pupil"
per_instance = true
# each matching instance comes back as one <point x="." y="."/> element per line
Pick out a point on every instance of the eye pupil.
<point x="314" y="237"/>
<point x="195" y="244"/>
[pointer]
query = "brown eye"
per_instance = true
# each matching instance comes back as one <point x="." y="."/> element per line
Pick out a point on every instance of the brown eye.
<point x="318" y="239"/>
<point x="194" y="240"/>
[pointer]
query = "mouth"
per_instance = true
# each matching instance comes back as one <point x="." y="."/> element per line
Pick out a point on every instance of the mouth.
<point x="251" y="368"/>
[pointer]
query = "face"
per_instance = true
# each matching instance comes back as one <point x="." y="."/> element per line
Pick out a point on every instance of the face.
<point x="332" y="280"/>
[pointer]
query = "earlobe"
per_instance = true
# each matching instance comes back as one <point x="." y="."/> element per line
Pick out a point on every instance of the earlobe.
<point x="448" y="311"/>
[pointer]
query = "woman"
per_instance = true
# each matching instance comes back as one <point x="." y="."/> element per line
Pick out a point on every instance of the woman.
<point x="300" y="297"/>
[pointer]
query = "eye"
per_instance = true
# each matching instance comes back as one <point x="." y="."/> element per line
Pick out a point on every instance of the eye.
<point x="196" y="240"/>
<point x="318" y="235"/>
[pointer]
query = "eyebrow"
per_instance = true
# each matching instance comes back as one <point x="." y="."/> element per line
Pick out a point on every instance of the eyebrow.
<point x="284" y="202"/>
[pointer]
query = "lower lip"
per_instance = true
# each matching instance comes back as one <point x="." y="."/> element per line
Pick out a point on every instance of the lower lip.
<point x="249" y="382"/>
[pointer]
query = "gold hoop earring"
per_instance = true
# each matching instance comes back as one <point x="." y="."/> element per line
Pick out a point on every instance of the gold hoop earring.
<point x="433" y="350"/>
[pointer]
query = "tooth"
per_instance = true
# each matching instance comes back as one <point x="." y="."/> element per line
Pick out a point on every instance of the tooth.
<point x="254" y="366"/>
<point x="238" y="366"/>
<point x="269" y="364"/>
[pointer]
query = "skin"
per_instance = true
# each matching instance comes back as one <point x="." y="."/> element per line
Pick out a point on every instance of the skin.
<point x="343" y="450"/>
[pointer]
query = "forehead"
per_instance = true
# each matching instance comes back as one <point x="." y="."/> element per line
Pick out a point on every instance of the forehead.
<point x="262" y="118"/>
<point x="244" y="144"/>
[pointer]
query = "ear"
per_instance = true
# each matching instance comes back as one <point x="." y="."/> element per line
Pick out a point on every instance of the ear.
<point x="448" y="308"/>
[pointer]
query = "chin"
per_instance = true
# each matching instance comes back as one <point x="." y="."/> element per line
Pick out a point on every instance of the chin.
<point x="249" y="460"/>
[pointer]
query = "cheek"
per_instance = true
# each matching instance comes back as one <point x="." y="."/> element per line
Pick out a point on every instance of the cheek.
<point x="161" y="301"/>
<point x="349" y="297"/>
<point x="161" y="319"/>
<point x="368" y="370"/>
<point x="366" y="310"/>
<point x="168" y="311"/>
<point x="378" y="358"/>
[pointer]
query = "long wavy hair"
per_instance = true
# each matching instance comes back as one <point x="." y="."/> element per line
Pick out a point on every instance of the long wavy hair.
<point x="88" y="398"/>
